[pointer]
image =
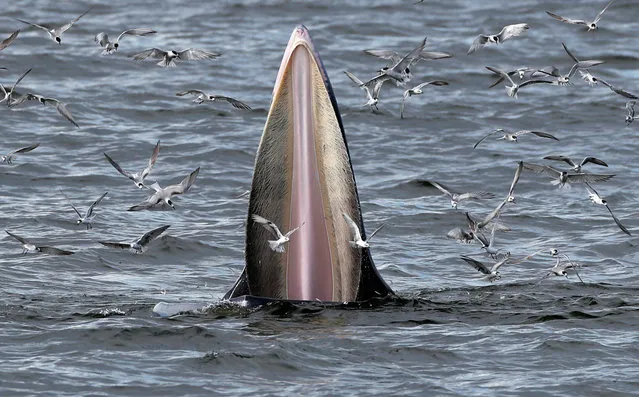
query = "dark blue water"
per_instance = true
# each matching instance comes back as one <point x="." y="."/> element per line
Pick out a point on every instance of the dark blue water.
<point x="84" y="324"/>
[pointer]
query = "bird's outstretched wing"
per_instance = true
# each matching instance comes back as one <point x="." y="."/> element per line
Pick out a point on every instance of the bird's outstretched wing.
<point x="236" y="104"/>
<point x="196" y="55"/>
<point x="155" y="53"/>
<point x="117" y="167"/>
<point x="67" y="26"/>
<point x="94" y="204"/>
<point x="511" y="31"/>
<point x="476" y="264"/>
<point x="152" y="235"/>
<point x="567" y="20"/>
<point x="154" y="157"/>
<point x="20" y="239"/>
<point x="136" y="32"/>
<point x="6" y="42"/>
<point x="268" y="225"/>
<point x="53" y="251"/>
<point x="185" y="185"/>
<point x="353" y="226"/>
<point x="598" y="17"/>
<point x="478" y="43"/>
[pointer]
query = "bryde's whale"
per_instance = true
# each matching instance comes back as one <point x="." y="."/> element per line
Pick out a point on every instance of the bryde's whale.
<point x="303" y="176"/>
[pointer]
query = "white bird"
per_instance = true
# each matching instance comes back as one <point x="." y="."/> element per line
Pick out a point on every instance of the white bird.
<point x="372" y="90"/>
<point x="6" y="42"/>
<point x="491" y="273"/>
<point x="29" y="246"/>
<point x="201" y="96"/>
<point x="55" y="32"/>
<point x="562" y="177"/>
<point x="590" y="25"/>
<point x="357" y="241"/>
<point x="8" y="94"/>
<point x="138" y="178"/>
<point x="455" y="197"/>
<point x="514" y="136"/>
<point x="513" y="89"/>
<point x="110" y="47"/>
<point x="560" y="268"/>
<point x="276" y="245"/>
<point x="630" y="108"/>
<point x="597" y="199"/>
<point x="577" y="66"/>
<point x="171" y="58"/>
<point x="417" y="90"/>
<point x="507" y="32"/>
<point x="140" y="245"/>
<point x="576" y="167"/>
<point x="87" y="218"/>
<point x="59" y="106"/>
<point x="163" y="195"/>
<point x="399" y="72"/>
<point x="9" y="157"/>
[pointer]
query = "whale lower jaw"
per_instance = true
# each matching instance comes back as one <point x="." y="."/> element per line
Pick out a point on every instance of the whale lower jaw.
<point x="303" y="177"/>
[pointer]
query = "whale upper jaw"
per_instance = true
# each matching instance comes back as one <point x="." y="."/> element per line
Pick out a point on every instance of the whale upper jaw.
<point x="303" y="176"/>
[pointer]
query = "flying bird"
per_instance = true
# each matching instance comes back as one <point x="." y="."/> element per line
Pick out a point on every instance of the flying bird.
<point x="492" y="273"/>
<point x="110" y="47"/>
<point x="578" y="65"/>
<point x="140" y="245"/>
<point x="138" y="178"/>
<point x="276" y="245"/>
<point x="55" y="32"/>
<point x="9" y="157"/>
<point x="513" y="89"/>
<point x="576" y="167"/>
<point x="6" y="42"/>
<point x="371" y="90"/>
<point x="8" y="94"/>
<point x="630" y="108"/>
<point x="417" y="90"/>
<point x="201" y="96"/>
<point x="514" y="136"/>
<point x="357" y="241"/>
<point x="597" y="199"/>
<point x="399" y="72"/>
<point x="508" y="32"/>
<point x="172" y="58"/>
<point x="61" y="107"/>
<point x="87" y="218"/>
<point x="163" y="195"/>
<point x="455" y="197"/>
<point x="562" y="177"/>
<point x="29" y="246"/>
<point x="590" y="25"/>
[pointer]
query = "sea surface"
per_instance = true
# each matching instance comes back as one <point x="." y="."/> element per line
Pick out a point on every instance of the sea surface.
<point x="84" y="324"/>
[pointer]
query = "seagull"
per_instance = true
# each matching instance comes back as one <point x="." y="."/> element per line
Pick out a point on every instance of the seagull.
<point x="562" y="177"/>
<point x="9" y="157"/>
<point x="394" y="56"/>
<point x="138" y="178"/>
<point x="461" y="235"/>
<point x="590" y="25"/>
<point x="165" y="194"/>
<point x="508" y="32"/>
<point x="577" y="65"/>
<point x="372" y="94"/>
<point x="417" y="90"/>
<point x="6" y="42"/>
<point x="59" y="106"/>
<point x="514" y="136"/>
<point x="576" y="167"/>
<point x="399" y="72"/>
<point x="357" y="241"/>
<point x="8" y="94"/>
<point x="201" y="96"/>
<point x="28" y="246"/>
<point x="55" y="32"/>
<point x="455" y="197"/>
<point x="171" y="58"/>
<point x="492" y="273"/>
<point x="276" y="245"/>
<point x="110" y="47"/>
<point x="511" y="198"/>
<point x="514" y="88"/>
<point x="630" y="108"/>
<point x="597" y="199"/>
<point x="519" y="72"/>
<point x="87" y="218"/>
<point x="560" y="267"/>
<point x="140" y="245"/>
<point x="614" y="89"/>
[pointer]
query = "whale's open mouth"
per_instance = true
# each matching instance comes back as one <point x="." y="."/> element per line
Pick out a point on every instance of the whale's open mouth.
<point x="303" y="177"/>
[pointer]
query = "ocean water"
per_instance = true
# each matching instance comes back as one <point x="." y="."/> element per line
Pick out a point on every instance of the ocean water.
<point x="84" y="324"/>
